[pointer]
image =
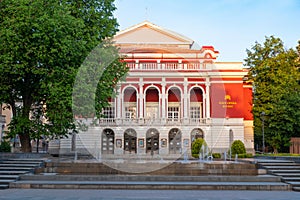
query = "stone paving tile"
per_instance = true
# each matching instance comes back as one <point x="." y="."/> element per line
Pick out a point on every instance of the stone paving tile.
<point x="41" y="194"/>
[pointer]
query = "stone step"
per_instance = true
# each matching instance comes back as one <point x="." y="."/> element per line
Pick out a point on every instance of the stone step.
<point x="15" y="177"/>
<point x="268" y="161"/>
<point x="291" y="178"/>
<point x="288" y="174"/>
<point x="18" y="165"/>
<point x="10" y="172"/>
<point x="6" y="181"/>
<point x="294" y="183"/>
<point x="296" y="189"/>
<point x="157" y="178"/>
<point x="25" y="159"/>
<point x="281" y="171"/>
<point x="15" y="168"/>
<point x="151" y="185"/>
<point x="279" y="164"/>
<point x="283" y="167"/>
<point x="10" y="169"/>
<point x="4" y="186"/>
<point x="27" y="162"/>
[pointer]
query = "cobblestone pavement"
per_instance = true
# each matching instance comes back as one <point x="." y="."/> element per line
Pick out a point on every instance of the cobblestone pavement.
<point x="53" y="194"/>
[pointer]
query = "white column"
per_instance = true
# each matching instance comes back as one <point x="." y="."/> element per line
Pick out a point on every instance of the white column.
<point x="185" y="98"/>
<point x="119" y="102"/>
<point x="163" y="99"/>
<point x="207" y="84"/>
<point x="141" y="99"/>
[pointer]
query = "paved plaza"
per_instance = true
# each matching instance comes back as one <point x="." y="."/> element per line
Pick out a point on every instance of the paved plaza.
<point x="52" y="194"/>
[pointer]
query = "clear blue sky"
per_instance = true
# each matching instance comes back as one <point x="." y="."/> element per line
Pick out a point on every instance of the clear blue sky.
<point x="231" y="26"/>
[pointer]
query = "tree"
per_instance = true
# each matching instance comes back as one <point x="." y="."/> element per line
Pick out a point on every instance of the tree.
<point x="238" y="147"/>
<point x="275" y="73"/>
<point x="43" y="44"/>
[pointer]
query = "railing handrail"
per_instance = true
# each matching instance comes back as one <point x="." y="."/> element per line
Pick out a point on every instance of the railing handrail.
<point x="148" y="121"/>
<point x="165" y="66"/>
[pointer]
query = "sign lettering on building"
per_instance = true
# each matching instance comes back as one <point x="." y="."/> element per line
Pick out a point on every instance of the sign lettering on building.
<point x="227" y="103"/>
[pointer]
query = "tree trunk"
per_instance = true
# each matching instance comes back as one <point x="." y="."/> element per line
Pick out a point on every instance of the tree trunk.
<point x="25" y="135"/>
<point x="25" y="142"/>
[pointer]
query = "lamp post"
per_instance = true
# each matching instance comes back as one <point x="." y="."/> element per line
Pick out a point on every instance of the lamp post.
<point x="262" y="115"/>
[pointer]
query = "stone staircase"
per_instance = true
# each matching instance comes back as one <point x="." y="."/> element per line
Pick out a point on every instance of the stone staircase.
<point x="174" y="176"/>
<point x="288" y="170"/>
<point x="151" y="182"/>
<point x="12" y="169"/>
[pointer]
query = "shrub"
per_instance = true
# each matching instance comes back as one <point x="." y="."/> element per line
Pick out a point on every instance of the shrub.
<point x="245" y="155"/>
<point x="238" y="147"/>
<point x="196" y="146"/>
<point x="216" y="155"/>
<point x="5" y="146"/>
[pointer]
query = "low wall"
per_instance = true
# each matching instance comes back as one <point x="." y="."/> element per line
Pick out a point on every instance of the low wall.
<point x="176" y="168"/>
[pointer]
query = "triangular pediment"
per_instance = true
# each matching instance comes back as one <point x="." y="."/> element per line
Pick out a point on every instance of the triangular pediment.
<point x="147" y="33"/>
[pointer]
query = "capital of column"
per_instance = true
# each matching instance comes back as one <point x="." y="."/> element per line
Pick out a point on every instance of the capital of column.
<point x="163" y="82"/>
<point x="207" y="82"/>
<point x="141" y="82"/>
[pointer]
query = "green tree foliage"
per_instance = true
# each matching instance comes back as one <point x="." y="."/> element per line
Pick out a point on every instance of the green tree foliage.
<point x="275" y="73"/>
<point x="197" y="145"/>
<point x="238" y="147"/>
<point x="5" y="146"/>
<point x="43" y="44"/>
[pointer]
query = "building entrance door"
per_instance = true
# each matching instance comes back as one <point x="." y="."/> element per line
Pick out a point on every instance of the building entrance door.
<point x="175" y="141"/>
<point x="108" y="138"/>
<point x="130" y="141"/>
<point x="152" y="142"/>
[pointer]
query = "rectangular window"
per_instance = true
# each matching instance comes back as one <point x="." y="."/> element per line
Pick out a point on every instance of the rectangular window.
<point x="173" y="112"/>
<point x="130" y="112"/>
<point x="152" y="110"/>
<point x="195" y="112"/>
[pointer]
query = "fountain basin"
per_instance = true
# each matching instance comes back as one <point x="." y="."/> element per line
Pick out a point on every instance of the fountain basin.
<point x="166" y="168"/>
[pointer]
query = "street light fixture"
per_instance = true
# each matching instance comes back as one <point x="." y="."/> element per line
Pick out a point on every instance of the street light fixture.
<point x="262" y="116"/>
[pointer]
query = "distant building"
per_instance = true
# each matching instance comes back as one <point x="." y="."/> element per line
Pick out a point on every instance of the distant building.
<point x="173" y="94"/>
<point x="2" y="124"/>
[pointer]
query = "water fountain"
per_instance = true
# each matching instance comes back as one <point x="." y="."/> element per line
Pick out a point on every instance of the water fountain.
<point x="200" y="157"/>
<point x="185" y="156"/>
<point x="236" y="158"/>
<point x="161" y="159"/>
<point x="75" y="156"/>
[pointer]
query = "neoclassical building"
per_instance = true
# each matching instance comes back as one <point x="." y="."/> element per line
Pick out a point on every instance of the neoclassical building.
<point x="173" y="94"/>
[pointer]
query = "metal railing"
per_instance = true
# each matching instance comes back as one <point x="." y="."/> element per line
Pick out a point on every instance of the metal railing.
<point x="150" y="121"/>
<point x="173" y="66"/>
